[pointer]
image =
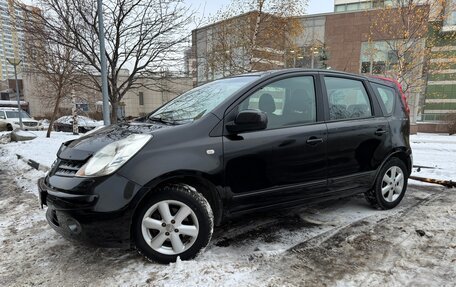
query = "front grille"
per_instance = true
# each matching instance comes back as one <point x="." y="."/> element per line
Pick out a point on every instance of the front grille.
<point x="68" y="167"/>
<point x="30" y="124"/>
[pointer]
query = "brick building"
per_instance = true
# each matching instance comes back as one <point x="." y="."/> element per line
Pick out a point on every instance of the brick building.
<point x="343" y="41"/>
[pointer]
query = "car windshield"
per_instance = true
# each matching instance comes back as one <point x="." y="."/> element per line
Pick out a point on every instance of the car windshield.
<point x="199" y="101"/>
<point x="15" y="114"/>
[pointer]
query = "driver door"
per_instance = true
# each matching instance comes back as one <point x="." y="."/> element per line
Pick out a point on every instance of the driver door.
<point x="286" y="162"/>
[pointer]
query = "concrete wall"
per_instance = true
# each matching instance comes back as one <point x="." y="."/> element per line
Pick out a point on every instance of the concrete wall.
<point x="41" y="99"/>
<point x="155" y="96"/>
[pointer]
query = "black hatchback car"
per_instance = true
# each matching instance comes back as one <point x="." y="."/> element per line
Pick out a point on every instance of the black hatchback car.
<point x="258" y="141"/>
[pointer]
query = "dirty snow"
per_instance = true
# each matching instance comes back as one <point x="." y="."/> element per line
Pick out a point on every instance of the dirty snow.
<point x="339" y="243"/>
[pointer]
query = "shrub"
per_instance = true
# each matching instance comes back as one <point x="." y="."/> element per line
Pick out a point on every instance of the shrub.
<point x="451" y="123"/>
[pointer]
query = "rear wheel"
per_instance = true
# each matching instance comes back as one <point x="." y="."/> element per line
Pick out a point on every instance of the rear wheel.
<point x="390" y="185"/>
<point x="9" y="127"/>
<point x="176" y="222"/>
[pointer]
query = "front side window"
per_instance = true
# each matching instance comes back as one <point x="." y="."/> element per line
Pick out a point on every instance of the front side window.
<point x="199" y="101"/>
<point x="386" y="96"/>
<point x="347" y="99"/>
<point x="286" y="102"/>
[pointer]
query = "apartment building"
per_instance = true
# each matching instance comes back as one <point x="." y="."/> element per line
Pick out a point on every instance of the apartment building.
<point x="11" y="38"/>
<point x="440" y="97"/>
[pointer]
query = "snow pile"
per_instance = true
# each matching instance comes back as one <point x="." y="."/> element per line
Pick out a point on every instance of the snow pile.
<point x="5" y="137"/>
<point x="42" y="149"/>
<point x="20" y="135"/>
<point x="44" y="123"/>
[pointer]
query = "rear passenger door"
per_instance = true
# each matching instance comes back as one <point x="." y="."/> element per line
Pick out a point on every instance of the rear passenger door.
<point x="358" y="133"/>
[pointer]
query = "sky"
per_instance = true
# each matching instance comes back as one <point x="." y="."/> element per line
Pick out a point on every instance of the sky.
<point x="211" y="6"/>
<point x="206" y="7"/>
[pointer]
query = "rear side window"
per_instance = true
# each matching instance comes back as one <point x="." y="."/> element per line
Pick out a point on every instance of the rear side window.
<point x="387" y="96"/>
<point x="347" y="99"/>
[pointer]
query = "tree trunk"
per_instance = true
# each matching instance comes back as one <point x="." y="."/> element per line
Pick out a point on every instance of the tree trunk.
<point x="54" y="114"/>
<point x="255" y="33"/>
<point x="74" y="114"/>
<point x="114" y="105"/>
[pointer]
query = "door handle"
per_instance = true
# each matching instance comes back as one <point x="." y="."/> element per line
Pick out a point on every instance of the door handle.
<point x="314" y="140"/>
<point x="380" y="132"/>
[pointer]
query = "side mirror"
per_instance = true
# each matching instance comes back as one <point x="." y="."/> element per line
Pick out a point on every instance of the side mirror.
<point x="2" y="117"/>
<point x="248" y="120"/>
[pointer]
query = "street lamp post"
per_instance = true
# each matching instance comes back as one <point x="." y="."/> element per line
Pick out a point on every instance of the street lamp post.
<point x="104" y="71"/>
<point x="314" y="51"/>
<point x="15" y="62"/>
<point x="294" y="58"/>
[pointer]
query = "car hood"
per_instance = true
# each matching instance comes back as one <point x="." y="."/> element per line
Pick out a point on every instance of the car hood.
<point x="83" y="147"/>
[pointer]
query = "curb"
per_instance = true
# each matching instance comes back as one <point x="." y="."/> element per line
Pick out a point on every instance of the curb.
<point x="34" y="164"/>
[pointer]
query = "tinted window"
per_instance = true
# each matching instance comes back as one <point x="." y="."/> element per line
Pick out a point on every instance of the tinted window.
<point x="286" y="102"/>
<point x="387" y="97"/>
<point x="347" y="98"/>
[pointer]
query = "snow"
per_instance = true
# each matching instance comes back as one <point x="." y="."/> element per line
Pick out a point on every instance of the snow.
<point x="340" y="243"/>
<point x="41" y="149"/>
<point x="436" y="153"/>
<point x="82" y="121"/>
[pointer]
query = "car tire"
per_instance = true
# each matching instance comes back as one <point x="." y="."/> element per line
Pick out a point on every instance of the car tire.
<point x="9" y="127"/>
<point x="390" y="185"/>
<point x="159" y="224"/>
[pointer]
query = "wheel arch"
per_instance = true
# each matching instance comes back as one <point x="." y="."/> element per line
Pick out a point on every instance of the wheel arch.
<point x="400" y="153"/>
<point x="197" y="180"/>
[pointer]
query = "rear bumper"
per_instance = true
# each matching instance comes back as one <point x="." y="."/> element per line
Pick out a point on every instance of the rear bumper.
<point x="78" y="218"/>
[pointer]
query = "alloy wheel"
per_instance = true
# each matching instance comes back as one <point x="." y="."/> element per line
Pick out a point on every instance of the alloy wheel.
<point x="170" y="227"/>
<point x="392" y="183"/>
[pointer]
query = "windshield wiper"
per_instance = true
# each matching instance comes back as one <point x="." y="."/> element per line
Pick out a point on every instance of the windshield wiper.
<point x="162" y="120"/>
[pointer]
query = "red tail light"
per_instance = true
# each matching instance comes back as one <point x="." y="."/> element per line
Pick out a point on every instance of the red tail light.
<point x="399" y="86"/>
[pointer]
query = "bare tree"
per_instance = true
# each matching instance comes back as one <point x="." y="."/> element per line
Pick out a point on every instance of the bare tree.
<point x="141" y="36"/>
<point x="253" y="35"/>
<point x="406" y="25"/>
<point x="50" y="64"/>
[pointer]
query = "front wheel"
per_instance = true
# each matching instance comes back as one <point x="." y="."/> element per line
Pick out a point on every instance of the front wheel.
<point x="176" y="222"/>
<point x="390" y="185"/>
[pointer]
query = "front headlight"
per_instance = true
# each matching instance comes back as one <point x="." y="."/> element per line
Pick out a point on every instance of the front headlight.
<point x="113" y="156"/>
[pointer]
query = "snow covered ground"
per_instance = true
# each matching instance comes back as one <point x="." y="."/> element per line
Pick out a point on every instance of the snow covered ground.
<point x="435" y="154"/>
<point x="339" y="243"/>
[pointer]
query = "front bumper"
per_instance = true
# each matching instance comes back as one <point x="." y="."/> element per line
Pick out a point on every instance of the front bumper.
<point x="39" y="128"/>
<point x="28" y="128"/>
<point x="92" y="216"/>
